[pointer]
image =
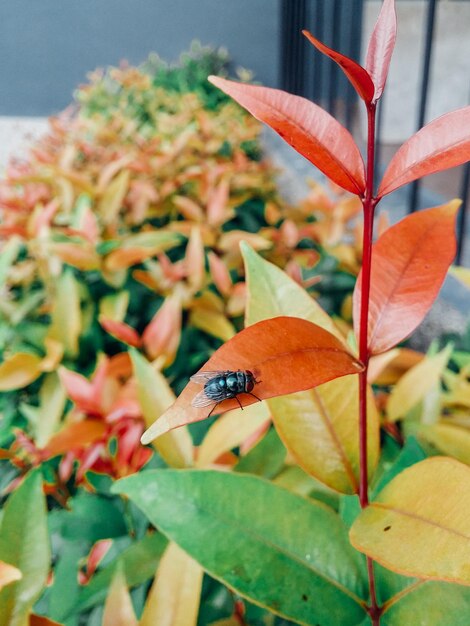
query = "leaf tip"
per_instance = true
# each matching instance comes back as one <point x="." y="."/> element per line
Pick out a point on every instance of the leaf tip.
<point x="454" y="205"/>
<point x="158" y="428"/>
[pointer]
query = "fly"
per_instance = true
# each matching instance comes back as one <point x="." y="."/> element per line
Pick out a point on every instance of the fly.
<point x="220" y="386"/>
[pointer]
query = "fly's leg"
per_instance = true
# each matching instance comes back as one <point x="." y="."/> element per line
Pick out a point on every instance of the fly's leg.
<point x="213" y="408"/>
<point x="240" y="404"/>
<point x="254" y="396"/>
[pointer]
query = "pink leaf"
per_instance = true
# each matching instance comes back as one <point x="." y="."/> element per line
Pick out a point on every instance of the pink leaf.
<point x="162" y="335"/>
<point x="80" y="391"/>
<point x="381" y="45"/>
<point x="220" y="274"/>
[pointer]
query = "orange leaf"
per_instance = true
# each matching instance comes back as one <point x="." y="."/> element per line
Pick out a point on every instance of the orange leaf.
<point x="121" y="331"/>
<point x="409" y="264"/>
<point x="79" y="255"/>
<point x="443" y="143"/>
<point x="75" y="435"/>
<point x="286" y="354"/>
<point x="123" y="258"/>
<point x="310" y="130"/>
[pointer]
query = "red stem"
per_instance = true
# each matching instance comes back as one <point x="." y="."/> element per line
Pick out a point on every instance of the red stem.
<point x="369" y="203"/>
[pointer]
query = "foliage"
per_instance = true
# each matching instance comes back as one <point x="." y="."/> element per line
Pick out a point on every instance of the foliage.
<point x="136" y="238"/>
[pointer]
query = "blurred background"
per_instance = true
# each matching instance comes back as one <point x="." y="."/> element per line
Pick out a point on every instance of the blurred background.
<point x="48" y="48"/>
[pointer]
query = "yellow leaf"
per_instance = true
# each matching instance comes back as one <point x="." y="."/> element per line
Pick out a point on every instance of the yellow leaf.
<point x="54" y="354"/>
<point x="66" y="315"/>
<point x="118" y="609"/>
<point x="420" y="523"/>
<point x="416" y="383"/>
<point x="19" y="370"/>
<point x="319" y="427"/>
<point x="212" y="323"/>
<point x="379" y="362"/>
<point x="462" y="274"/>
<point x="230" y="430"/>
<point x="271" y="293"/>
<point x="52" y="397"/>
<point x="155" y="396"/>
<point x="8" y="574"/>
<point x="114" y="306"/>
<point x="449" y="439"/>
<point x="174" y="597"/>
<point x="459" y="387"/>
<point x="113" y="197"/>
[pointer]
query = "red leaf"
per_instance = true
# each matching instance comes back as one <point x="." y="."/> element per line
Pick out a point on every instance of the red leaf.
<point x="121" y="331"/>
<point x="286" y="354"/>
<point x="381" y="45"/>
<point x="409" y="264"/>
<point x="97" y="553"/>
<point x="310" y="130"/>
<point x="443" y="143"/>
<point x="357" y="75"/>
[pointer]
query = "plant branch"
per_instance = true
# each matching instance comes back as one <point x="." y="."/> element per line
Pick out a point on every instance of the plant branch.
<point x="369" y="203"/>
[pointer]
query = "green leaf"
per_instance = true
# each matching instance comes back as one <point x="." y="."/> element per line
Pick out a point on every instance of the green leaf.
<point x="280" y="550"/>
<point x="24" y="543"/>
<point x="64" y="591"/>
<point x="92" y="517"/>
<point x="139" y="563"/>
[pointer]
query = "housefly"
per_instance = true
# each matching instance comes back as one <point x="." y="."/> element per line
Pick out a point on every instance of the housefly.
<point x="220" y="386"/>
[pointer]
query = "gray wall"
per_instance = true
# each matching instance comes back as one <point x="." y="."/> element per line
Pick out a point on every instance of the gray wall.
<point x="48" y="46"/>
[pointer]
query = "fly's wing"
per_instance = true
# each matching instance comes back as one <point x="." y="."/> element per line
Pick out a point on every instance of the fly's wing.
<point x="200" y="400"/>
<point x="203" y="377"/>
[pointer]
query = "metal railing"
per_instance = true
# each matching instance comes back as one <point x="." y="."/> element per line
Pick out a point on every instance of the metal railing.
<point x="306" y="72"/>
